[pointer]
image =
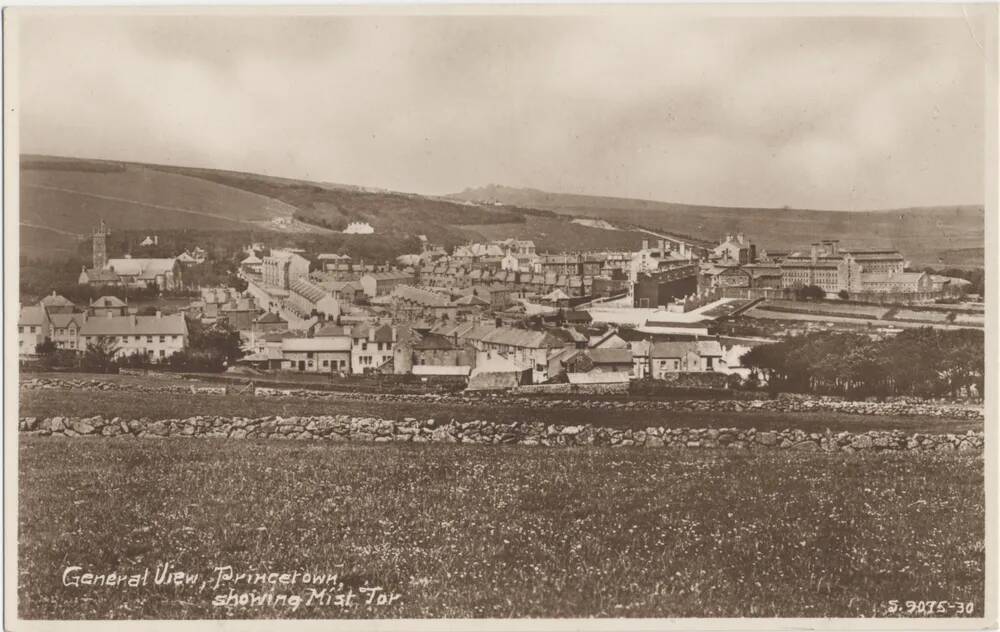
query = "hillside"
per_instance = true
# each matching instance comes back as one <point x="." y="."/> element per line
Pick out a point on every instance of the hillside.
<point x="63" y="198"/>
<point x="951" y="235"/>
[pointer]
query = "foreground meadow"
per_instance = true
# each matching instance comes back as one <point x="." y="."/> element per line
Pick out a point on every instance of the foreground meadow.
<point x="467" y="531"/>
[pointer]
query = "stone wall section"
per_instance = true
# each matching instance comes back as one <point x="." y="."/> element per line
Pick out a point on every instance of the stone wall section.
<point x="410" y="429"/>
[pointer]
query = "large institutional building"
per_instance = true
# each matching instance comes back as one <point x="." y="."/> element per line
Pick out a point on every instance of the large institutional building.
<point x="852" y="270"/>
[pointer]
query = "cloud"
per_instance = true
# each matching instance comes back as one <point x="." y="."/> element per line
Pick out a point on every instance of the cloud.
<point x="834" y="112"/>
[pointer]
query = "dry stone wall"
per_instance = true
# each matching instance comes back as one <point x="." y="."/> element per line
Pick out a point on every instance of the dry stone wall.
<point x="410" y="429"/>
<point x="780" y="404"/>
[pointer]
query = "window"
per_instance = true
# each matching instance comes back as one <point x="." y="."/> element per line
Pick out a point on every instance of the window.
<point x="162" y="353"/>
<point x="326" y="363"/>
<point x="149" y="339"/>
<point x="20" y="330"/>
<point x="163" y="338"/>
<point x="33" y="328"/>
<point x="309" y="354"/>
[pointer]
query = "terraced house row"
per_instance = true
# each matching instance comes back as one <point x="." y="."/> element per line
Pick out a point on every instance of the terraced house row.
<point x="59" y="321"/>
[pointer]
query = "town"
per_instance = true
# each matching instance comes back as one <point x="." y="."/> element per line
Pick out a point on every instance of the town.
<point x="494" y="315"/>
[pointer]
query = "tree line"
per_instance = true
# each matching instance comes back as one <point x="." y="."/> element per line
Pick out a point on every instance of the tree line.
<point x="921" y="362"/>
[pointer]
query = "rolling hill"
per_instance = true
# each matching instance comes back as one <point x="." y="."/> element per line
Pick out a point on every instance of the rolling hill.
<point x="62" y="199"/>
<point x="952" y="235"/>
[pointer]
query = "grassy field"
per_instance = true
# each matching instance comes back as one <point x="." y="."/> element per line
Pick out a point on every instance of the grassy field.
<point x="462" y="531"/>
<point x="133" y="405"/>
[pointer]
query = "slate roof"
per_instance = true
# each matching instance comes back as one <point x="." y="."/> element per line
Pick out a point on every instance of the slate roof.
<point x="107" y="301"/>
<point x="270" y="318"/>
<point x="31" y="315"/>
<point x="319" y="343"/>
<point x="169" y="324"/>
<point x="430" y="341"/>
<point x="610" y="356"/>
<point x="55" y="300"/>
<point x="144" y="269"/>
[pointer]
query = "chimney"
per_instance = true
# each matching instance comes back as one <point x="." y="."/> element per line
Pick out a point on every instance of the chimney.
<point x="159" y="314"/>
<point x="814" y="251"/>
<point x="740" y="237"/>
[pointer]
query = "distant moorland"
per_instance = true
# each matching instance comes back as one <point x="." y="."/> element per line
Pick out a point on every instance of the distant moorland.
<point x="63" y="198"/>
<point x="942" y="235"/>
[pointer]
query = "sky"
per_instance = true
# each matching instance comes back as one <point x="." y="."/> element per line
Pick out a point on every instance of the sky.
<point x="832" y="112"/>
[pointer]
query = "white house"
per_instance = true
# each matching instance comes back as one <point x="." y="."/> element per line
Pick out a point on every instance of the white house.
<point x="157" y="337"/>
<point x="359" y="228"/>
<point x="326" y="354"/>
<point x="372" y="346"/>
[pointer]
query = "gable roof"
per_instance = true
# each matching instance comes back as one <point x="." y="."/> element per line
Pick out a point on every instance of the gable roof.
<point x="429" y="342"/>
<point x="61" y="321"/>
<point x="610" y="356"/>
<point x="31" y="315"/>
<point x="144" y="269"/>
<point x="672" y="349"/>
<point x="319" y="343"/>
<point x="269" y="318"/>
<point x="55" y="300"/>
<point x="107" y="301"/>
<point x="168" y="324"/>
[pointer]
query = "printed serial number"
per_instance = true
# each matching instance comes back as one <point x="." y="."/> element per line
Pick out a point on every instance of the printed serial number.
<point x="927" y="608"/>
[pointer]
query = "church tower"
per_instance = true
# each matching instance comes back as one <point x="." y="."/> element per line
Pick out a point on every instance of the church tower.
<point x="101" y="246"/>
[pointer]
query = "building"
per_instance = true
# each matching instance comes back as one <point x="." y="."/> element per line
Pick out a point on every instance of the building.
<point x="648" y="259"/>
<point x="105" y="305"/>
<point x="684" y="356"/>
<point x="359" y="228"/>
<point x="527" y="348"/>
<point x="319" y="354"/>
<point x="269" y="323"/>
<point x="281" y="267"/>
<point x="898" y="282"/>
<point x="56" y="304"/>
<point x="251" y="264"/>
<point x="599" y="360"/>
<point x="32" y="329"/>
<point x="834" y="270"/>
<point x="430" y="349"/>
<point x="310" y="297"/>
<point x="161" y="273"/>
<point x="656" y="289"/>
<point x="239" y="313"/>
<point x="734" y="249"/>
<point x="156" y="337"/>
<point x="372" y="347"/>
<point x="64" y="330"/>
<point x="383" y="283"/>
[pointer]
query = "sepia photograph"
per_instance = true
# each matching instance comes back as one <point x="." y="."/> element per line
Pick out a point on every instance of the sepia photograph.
<point x="597" y="316"/>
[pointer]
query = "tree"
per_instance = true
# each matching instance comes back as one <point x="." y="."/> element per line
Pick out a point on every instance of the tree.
<point x="843" y="295"/>
<point x="100" y="355"/>
<point x="45" y="347"/>
<point x="210" y="348"/>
